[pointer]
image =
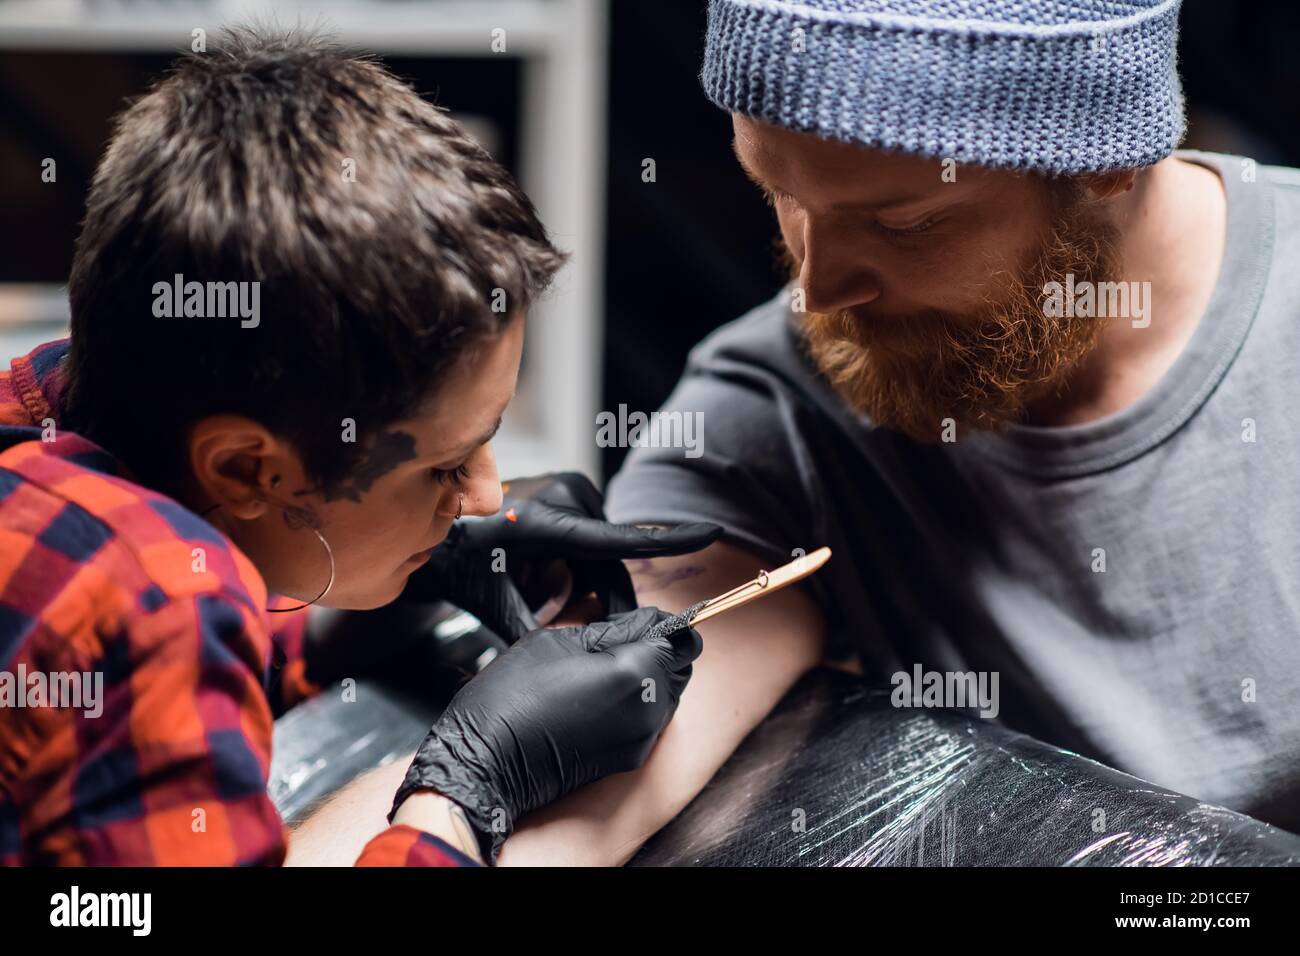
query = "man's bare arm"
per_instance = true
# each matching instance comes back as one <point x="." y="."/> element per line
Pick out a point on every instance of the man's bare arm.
<point x="751" y="657"/>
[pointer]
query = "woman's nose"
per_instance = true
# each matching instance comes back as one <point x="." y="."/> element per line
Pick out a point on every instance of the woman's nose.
<point x="482" y="489"/>
<point x="483" y="498"/>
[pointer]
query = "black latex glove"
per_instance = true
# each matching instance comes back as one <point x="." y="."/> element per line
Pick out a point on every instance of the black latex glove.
<point x="561" y="708"/>
<point x="554" y="542"/>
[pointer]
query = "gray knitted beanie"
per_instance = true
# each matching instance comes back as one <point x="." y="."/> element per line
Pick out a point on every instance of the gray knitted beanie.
<point x="1060" y="86"/>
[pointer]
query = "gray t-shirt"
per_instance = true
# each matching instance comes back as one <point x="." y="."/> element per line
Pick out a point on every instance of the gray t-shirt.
<point x="1180" y="661"/>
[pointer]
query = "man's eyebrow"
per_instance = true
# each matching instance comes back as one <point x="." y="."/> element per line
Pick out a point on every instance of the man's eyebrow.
<point x="863" y="206"/>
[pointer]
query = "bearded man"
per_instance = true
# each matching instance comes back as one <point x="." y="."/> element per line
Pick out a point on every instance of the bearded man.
<point x="1090" y="496"/>
<point x="1033" y="382"/>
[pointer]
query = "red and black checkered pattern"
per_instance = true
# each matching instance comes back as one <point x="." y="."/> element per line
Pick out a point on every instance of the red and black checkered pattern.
<point x="100" y="575"/>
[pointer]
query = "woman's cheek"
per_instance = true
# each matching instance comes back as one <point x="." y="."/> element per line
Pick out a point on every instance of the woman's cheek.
<point x="415" y="511"/>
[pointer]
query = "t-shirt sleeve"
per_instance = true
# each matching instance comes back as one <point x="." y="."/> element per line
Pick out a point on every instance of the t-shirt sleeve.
<point x="753" y="470"/>
<point x="741" y="479"/>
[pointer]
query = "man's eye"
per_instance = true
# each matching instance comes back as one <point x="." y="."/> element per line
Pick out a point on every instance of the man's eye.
<point x="921" y="226"/>
<point x="446" y="476"/>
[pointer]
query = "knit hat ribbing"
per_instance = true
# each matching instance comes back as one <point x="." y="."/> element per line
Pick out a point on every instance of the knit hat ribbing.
<point x="1060" y="86"/>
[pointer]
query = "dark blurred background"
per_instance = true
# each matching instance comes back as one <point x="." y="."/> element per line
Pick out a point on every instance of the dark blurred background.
<point x="682" y="255"/>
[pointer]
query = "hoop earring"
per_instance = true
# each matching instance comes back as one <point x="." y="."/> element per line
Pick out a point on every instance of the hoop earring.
<point x="460" y="506"/>
<point x="329" y="553"/>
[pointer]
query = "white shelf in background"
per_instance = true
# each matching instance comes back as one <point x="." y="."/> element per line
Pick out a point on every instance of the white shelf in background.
<point x="453" y="27"/>
<point x="563" y="48"/>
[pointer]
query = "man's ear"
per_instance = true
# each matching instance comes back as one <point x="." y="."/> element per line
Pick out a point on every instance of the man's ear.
<point x="236" y="462"/>
<point x="1111" y="184"/>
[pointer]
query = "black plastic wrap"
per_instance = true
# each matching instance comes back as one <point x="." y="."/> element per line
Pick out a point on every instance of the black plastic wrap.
<point x="327" y="741"/>
<point x="836" y="776"/>
<point x="873" y="785"/>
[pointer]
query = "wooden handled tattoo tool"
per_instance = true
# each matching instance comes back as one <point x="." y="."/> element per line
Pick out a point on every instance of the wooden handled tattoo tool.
<point x="766" y="583"/>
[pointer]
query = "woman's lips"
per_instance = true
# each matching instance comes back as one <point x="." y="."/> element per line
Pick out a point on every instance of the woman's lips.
<point x="422" y="556"/>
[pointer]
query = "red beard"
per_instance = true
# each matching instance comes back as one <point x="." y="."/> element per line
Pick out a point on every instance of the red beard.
<point x="981" y="369"/>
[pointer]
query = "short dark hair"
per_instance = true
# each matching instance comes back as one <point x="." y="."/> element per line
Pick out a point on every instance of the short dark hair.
<point x="235" y="167"/>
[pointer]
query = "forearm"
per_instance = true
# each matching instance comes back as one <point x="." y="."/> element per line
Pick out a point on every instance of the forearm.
<point x="337" y="831"/>
<point x="605" y="823"/>
<point x="751" y="657"/>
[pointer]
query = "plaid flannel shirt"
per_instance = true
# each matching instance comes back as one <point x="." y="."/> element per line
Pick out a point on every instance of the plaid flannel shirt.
<point x="104" y="578"/>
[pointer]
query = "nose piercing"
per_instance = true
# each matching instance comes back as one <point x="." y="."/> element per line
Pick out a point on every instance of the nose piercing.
<point x="460" y="506"/>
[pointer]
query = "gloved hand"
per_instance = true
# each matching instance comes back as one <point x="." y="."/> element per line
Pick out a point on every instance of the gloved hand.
<point x="553" y="542"/>
<point x="561" y="708"/>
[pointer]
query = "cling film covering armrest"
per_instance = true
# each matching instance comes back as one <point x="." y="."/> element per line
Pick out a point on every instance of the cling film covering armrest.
<point x="835" y="776"/>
